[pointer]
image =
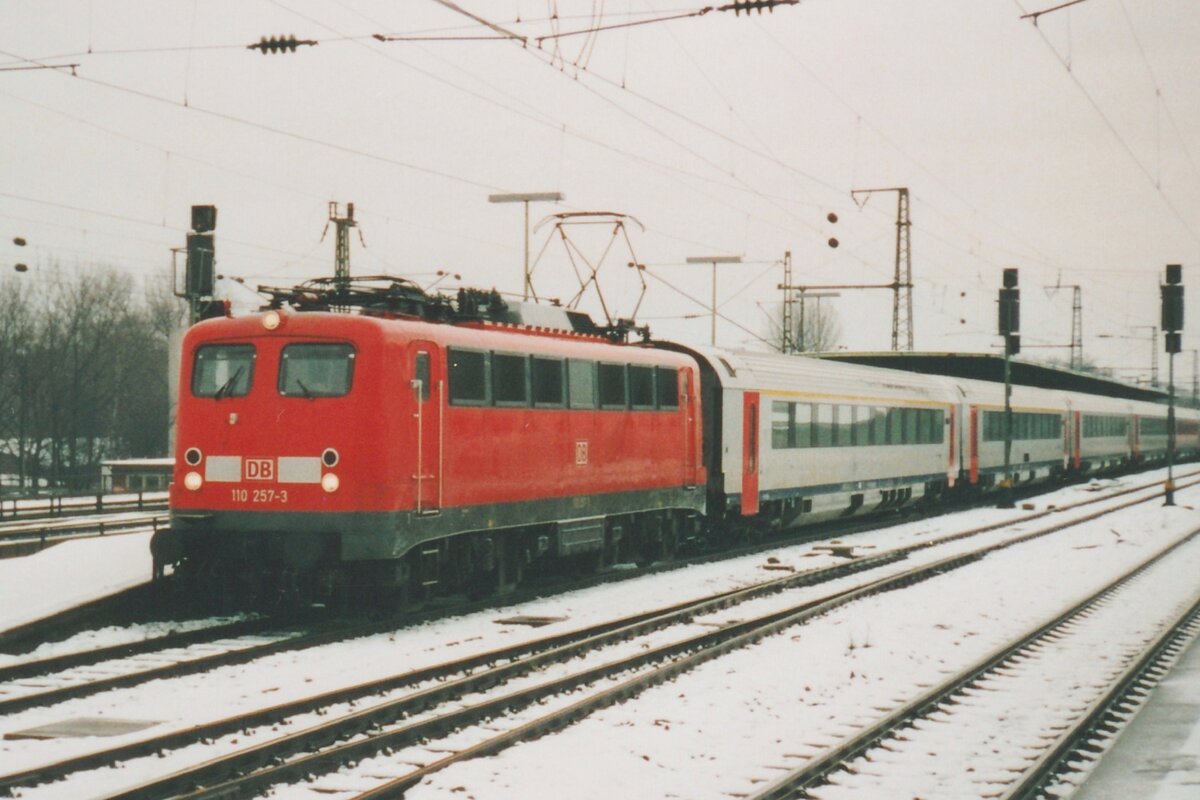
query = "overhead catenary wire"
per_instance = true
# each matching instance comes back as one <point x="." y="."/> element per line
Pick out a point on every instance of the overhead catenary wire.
<point x="1121" y="140"/>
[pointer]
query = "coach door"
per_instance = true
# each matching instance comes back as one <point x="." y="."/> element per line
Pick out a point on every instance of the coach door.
<point x="973" y="445"/>
<point x="750" y="453"/>
<point x="429" y="388"/>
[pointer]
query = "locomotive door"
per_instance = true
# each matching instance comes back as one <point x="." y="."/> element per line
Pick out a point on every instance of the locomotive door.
<point x="428" y="388"/>
<point x="750" y="453"/>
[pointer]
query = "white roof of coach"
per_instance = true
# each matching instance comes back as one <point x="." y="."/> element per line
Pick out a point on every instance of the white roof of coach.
<point x="756" y="371"/>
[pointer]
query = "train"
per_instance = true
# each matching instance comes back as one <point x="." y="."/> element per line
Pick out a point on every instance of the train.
<point x="368" y="439"/>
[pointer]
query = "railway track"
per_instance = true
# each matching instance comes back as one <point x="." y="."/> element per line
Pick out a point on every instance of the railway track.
<point x="388" y="723"/>
<point x="1104" y="644"/>
<point x="48" y="681"/>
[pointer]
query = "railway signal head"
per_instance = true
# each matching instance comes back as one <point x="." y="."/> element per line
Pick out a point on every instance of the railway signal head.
<point x="1172" y="307"/>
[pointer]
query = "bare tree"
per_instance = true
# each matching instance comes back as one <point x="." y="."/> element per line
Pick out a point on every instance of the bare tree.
<point x="83" y="375"/>
<point x="816" y="328"/>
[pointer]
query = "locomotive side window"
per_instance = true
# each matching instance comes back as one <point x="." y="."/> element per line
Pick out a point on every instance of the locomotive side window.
<point x="641" y="387"/>
<point x="468" y="377"/>
<point x="548" y="382"/>
<point x="316" y="370"/>
<point x="667" y="384"/>
<point x="612" y="385"/>
<point x="223" y="370"/>
<point x="581" y="383"/>
<point x="510" y="380"/>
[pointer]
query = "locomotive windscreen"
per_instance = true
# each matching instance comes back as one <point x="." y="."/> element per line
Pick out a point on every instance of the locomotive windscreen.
<point x="223" y="370"/>
<point x="316" y="370"/>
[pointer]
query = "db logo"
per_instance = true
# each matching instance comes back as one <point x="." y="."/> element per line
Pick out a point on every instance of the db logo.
<point x="260" y="469"/>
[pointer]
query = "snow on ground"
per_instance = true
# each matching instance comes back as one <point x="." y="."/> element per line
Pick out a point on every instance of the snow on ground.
<point x="61" y="577"/>
<point x="736" y="722"/>
<point x="190" y="700"/>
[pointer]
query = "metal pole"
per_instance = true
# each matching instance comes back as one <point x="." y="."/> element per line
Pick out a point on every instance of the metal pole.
<point x="803" y="303"/>
<point x="526" y="198"/>
<point x="1170" y="488"/>
<point x="526" y="273"/>
<point x="1006" y="500"/>
<point x="714" y="304"/>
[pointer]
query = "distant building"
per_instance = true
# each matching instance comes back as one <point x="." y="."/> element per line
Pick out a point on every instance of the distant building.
<point x="136" y="475"/>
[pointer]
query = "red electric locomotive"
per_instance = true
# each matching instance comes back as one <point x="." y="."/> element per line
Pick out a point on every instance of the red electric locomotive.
<point x="423" y="444"/>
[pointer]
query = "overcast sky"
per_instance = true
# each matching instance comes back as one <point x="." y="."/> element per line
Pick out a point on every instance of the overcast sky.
<point x="1068" y="149"/>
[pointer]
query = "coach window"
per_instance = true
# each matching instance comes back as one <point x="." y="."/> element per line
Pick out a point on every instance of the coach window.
<point x="802" y="424"/>
<point x="641" y="387"/>
<point x="782" y="433"/>
<point x="581" y="383"/>
<point x="316" y="370"/>
<point x="823" y="425"/>
<point x="879" y="426"/>
<point x="510" y="380"/>
<point x="548" y="379"/>
<point x="223" y="370"/>
<point x="667" y="387"/>
<point x="468" y="377"/>
<point x="612" y="385"/>
<point x="845" y="426"/>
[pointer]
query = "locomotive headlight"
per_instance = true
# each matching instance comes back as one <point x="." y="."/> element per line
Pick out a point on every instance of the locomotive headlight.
<point x="193" y="481"/>
<point x="193" y="456"/>
<point x="330" y="482"/>
<point x="272" y="320"/>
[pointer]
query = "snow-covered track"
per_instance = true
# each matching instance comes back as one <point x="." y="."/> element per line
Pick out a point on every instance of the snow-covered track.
<point x="423" y="716"/>
<point x="872" y="763"/>
<point x="514" y="661"/>
<point x="1083" y="743"/>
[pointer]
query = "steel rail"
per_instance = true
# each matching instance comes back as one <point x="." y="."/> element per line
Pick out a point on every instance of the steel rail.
<point x="1138" y="678"/>
<point x="43" y="666"/>
<point x="817" y="769"/>
<point x="627" y="626"/>
<point x="555" y="720"/>
<point x="255" y="768"/>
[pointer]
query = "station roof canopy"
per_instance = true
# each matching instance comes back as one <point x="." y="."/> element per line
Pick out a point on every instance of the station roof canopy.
<point x="989" y="367"/>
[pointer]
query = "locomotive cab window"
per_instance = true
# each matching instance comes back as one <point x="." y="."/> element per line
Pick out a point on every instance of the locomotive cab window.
<point x="223" y="370"/>
<point x="316" y="370"/>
